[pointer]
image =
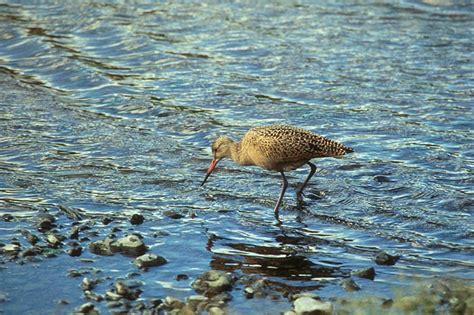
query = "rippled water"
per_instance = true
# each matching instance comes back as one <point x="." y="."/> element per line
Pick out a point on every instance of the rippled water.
<point x="110" y="107"/>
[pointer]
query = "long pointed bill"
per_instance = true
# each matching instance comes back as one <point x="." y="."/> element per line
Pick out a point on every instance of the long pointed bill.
<point x="210" y="169"/>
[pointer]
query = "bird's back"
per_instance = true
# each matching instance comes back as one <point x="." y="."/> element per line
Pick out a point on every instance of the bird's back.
<point x="282" y="147"/>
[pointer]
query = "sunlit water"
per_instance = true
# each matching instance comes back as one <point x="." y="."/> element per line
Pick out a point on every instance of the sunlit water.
<point x="117" y="104"/>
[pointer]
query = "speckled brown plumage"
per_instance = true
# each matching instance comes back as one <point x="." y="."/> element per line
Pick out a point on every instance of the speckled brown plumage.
<point x="278" y="148"/>
<point x="284" y="148"/>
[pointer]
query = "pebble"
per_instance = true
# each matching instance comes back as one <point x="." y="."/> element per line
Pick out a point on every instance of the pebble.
<point x="112" y="296"/>
<point x="11" y="248"/>
<point x="93" y="296"/>
<point x="130" y="245"/>
<point x="407" y="303"/>
<point x="74" y="233"/>
<point x="32" y="251"/>
<point x="88" y="284"/>
<point x="106" y="220"/>
<point x="30" y="237"/>
<point x="173" y="214"/>
<point x="75" y="251"/>
<point x="213" y="282"/>
<point x="88" y="309"/>
<point x="8" y="217"/>
<point x="125" y="291"/>
<point x="310" y="306"/>
<point x="382" y="258"/>
<point x="249" y="292"/>
<point x="215" y="311"/>
<point x="149" y="260"/>
<point x="367" y="273"/>
<point x="45" y="225"/>
<point x="181" y="276"/>
<point x="173" y="303"/>
<point x="137" y="219"/>
<point x="196" y="302"/>
<point x="53" y="240"/>
<point x="101" y="247"/>
<point x="350" y="285"/>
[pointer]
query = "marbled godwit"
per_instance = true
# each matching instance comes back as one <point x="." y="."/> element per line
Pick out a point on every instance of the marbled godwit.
<point x="278" y="148"/>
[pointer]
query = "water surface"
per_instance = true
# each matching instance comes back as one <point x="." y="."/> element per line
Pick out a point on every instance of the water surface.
<point x="110" y="107"/>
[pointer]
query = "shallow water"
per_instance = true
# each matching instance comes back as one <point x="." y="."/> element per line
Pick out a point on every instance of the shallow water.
<point x="110" y="108"/>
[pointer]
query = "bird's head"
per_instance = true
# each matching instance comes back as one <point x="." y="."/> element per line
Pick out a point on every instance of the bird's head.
<point x="220" y="149"/>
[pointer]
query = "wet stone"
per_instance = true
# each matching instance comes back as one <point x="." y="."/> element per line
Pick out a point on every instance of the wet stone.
<point x="75" y="251"/>
<point x="213" y="282"/>
<point x="54" y="240"/>
<point x="249" y="292"/>
<point x="30" y="237"/>
<point x="87" y="309"/>
<point x="367" y="273"/>
<point x="173" y="214"/>
<point x="196" y="302"/>
<point x="130" y="245"/>
<point x="45" y="225"/>
<point x="215" y="311"/>
<point x="101" y="247"/>
<point x="149" y="260"/>
<point x="32" y="251"/>
<point x="88" y="284"/>
<point x="8" y="217"/>
<point x="310" y="306"/>
<point x="74" y="233"/>
<point x="112" y="296"/>
<point x="173" y="303"/>
<point x="350" y="285"/>
<point x="382" y="258"/>
<point x="106" y="220"/>
<point x="127" y="292"/>
<point x="10" y="249"/>
<point x="93" y="296"/>
<point x="181" y="276"/>
<point x="137" y="219"/>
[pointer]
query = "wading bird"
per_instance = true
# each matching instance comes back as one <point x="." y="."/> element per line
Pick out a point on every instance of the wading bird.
<point x="278" y="148"/>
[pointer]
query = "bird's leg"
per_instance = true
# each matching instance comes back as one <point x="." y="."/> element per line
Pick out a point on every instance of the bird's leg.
<point x="299" y="192"/>
<point x="282" y="193"/>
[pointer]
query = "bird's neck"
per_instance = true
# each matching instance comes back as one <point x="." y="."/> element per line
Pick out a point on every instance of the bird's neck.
<point x="236" y="152"/>
<point x="238" y="155"/>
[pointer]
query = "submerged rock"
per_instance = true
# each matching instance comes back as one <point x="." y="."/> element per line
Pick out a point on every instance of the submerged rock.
<point x="127" y="292"/>
<point x="173" y="214"/>
<point x="101" y="247"/>
<point x="45" y="225"/>
<point x="30" y="237"/>
<point x="54" y="240"/>
<point x="181" y="276"/>
<point x="215" y="311"/>
<point x="29" y="252"/>
<point x="213" y="282"/>
<point x="10" y="249"/>
<point x="137" y="219"/>
<point x="196" y="302"/>
<point x="172" y="303"/>
<point x="130" y="245"/>
<point x="309" y="306"/>
<point x="75" y="251"/>
<point x="87" y="309"/>
<point x="382" y="258"/>
<point x="149" y="260"/>
<point x="350" y="285"/>
<point x="367" y="273"/>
